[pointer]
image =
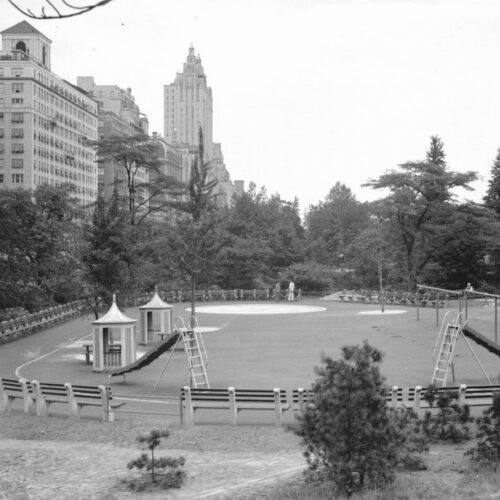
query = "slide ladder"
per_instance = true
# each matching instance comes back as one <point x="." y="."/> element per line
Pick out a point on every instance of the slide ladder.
<point x="195" y="357"/>
<point x="445" y="356"/>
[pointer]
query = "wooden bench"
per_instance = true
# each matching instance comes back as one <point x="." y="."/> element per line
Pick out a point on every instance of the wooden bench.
<point x="76" y="397"/>
<point x="301" y="398"/>
<point x="234" y="400"/>
<point x="12" y="389"/>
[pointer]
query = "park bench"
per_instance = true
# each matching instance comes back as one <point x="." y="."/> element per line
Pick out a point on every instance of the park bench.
<point x="12" y="389"/>
<point x="233" y="400"/>
<point x="76" y="397"/>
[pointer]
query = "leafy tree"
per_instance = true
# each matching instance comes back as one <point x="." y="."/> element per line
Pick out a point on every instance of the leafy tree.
<point x="492" y="197"/>
<point x="38" y="265"/>
<point x="348" y="433"/>
<point x="420" y="199"/>
<point x="194" y="240"/>
<point x="138" y="158"/>
<point x="106" y="254"/>
<point x="262" y="236"/>
<point x="373" y="253"/>
<point x="332" y="226"/>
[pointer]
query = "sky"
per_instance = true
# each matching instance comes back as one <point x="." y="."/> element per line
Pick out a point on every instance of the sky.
<point x="306" y="92"/>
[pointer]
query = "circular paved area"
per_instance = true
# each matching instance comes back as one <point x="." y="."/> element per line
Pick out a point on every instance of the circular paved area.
<point x="259" y="309"/>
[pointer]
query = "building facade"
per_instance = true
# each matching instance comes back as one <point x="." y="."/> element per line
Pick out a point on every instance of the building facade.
<point x="188" y="106"/>
<point x="45" y="121"/>
<point x="118" y="115"/>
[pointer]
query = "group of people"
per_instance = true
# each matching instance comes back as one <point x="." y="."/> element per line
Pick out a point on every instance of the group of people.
<point x="290" y="293"/>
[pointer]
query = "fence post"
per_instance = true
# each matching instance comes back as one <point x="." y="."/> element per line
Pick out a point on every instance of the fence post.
<point x="496" y="320"/>
<point x="437" y="308"/>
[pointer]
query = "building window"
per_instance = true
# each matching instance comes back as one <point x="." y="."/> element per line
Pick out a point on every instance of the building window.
<point x="17" y="148"/>
<point x="21" y="46"/>
<point x="17" y="72"/>
<point x="17" y="100"/>
<point x="1" y="178"/>
<point x="17" y="163"/>
<point x="1" y="164"/>
<point x="17" y="88"/>
<point x="17" y="133"/>
<point x="17" y="118"/>
<point x="1" y="149"/>
<point x="1" y="133"/>
<point x="17" y="178"/>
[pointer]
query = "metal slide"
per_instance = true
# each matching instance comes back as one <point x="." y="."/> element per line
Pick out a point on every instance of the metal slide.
<point x="154" y="353"/>
<point x="480" y="339"/>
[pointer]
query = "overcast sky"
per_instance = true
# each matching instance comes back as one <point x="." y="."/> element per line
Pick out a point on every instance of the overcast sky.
<point x="306" y="92"/>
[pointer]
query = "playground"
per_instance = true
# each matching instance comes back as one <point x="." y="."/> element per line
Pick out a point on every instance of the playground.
<point x="258" y="345"/>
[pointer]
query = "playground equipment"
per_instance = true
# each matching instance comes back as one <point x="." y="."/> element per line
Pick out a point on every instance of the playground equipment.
<point x="156" y="318"/>
<point x="109" y="354"/>
<point x="195" y="350"/>
<point x="448" y="336"/>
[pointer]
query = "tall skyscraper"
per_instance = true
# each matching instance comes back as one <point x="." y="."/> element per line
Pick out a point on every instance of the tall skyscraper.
<point x="188" y="105"/>
<point x="45" y="121"/>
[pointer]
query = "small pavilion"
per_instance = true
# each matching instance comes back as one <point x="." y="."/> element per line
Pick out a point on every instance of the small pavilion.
<point x="156" y="318"/>
<point x="114" y="340"/>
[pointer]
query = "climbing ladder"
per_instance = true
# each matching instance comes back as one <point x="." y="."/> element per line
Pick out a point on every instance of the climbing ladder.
<point x="448" y="336"/>
<point x="195" y="358"/>
<point x="445" y="356"/>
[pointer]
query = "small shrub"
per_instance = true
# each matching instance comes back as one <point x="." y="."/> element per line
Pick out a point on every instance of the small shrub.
<point x="166" y="472"/>
<point x="450" y="422"/>
<point x="487" y="451"/>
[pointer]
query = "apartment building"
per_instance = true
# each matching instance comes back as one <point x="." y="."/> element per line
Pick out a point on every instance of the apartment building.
<point x="45" y="121"/>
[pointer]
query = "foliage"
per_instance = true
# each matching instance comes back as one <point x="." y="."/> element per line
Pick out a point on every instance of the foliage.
<point x="333" y="225"/>
<point x="348" y="433"/>
<point x="38" y="265"/>
<point x="171" y="474"/>
<point x="492" y="196"/>
<point x="418" y="206"/>
<point x="450" y="421"/>
<point x="140" y="176"/>
<point x="106" y="254"/>
<point x="310" y="276"/>
<point x="486" y="453"/>
<point x="261" y="236"/>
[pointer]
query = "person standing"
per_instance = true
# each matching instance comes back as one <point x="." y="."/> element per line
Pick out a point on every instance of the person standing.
<point x="277" y="292"/>
<point x="291" y="291"/>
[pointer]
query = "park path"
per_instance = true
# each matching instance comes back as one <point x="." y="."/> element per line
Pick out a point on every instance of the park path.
<point x="76" y="470"/>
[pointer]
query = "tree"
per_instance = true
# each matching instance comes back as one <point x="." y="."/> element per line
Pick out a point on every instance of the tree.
<point x="106" y="255"/>
<point x="194" y="242"/>
<point x="421" y="197"/>
<point x="347" y="431"/>
<point x="138" y="157"/>
<point x="436" y="154"/>
<point x="262" y="236"/>
<point x="56" y="9"/>
<point x="374" y="256"/>
<point x="171" y="474"/>
<point x="332" y="225"/>
<point x="492" y="196"/>
<point x="38" y="264"/>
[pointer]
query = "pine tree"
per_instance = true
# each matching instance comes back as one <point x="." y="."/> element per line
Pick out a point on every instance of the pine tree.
<point x="436" y="154"/>
<point x="349" y="435"/>
<point x="492" y="197"/>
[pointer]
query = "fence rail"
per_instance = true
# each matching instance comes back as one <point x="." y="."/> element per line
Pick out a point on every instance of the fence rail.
<point x="45" y="318"/>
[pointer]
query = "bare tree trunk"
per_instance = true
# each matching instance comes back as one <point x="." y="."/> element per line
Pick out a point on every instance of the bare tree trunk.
<point x="193" y="311"/>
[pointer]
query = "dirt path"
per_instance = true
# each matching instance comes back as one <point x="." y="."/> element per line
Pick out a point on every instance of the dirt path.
<point x="78" y="470"/>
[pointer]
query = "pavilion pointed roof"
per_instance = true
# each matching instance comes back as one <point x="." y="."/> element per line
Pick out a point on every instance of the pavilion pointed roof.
<point x="156" y="302"/>
<point x="114" y="317"/>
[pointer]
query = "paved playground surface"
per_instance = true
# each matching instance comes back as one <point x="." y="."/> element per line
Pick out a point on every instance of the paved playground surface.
<point x="259" y="345"/>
